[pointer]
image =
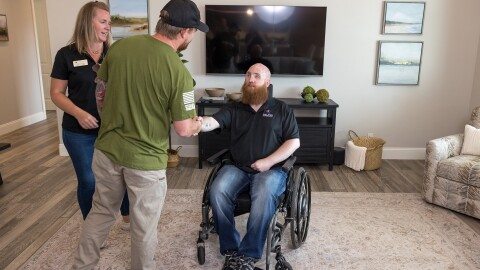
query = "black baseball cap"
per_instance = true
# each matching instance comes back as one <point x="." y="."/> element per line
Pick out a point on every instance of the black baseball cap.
<point x="184" y="14"/>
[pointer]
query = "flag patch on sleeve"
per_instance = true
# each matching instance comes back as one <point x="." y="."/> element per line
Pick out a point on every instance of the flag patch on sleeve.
<point x="189" y="107"/>
<point x="189" y="100"/>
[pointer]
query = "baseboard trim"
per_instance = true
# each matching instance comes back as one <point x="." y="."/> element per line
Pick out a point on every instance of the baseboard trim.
<point x="22" y="122"/>
<point x="187" y="150"/>
<point x="403" y="153"/>
<point x="62" y="150"/>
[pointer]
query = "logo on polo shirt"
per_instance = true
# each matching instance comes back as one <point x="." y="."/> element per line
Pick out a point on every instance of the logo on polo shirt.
<point x="267" y="113"/>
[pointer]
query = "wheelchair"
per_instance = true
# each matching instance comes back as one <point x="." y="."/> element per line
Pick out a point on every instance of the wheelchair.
<point x="294" y="204"/>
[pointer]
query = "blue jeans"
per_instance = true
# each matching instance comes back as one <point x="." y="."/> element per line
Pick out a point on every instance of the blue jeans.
<point x="80" y="148"/>
<point x="264" y="190"/>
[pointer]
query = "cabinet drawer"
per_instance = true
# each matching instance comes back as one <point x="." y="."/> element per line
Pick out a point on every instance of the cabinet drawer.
<point x="311" y="155"/>
<point x="314" y="121"/>
<point x="314" y="137"/>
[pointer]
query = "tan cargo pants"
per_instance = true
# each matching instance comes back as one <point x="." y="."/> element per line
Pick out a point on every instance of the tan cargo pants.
<point x="146" y="193"/>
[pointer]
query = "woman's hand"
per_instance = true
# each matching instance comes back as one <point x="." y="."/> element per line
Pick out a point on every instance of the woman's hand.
<point x="58" y="89"/>
<point x="86" y="120"/>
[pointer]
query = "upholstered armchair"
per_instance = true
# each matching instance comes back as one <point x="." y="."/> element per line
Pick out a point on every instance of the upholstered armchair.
<point x="452" y="179"/>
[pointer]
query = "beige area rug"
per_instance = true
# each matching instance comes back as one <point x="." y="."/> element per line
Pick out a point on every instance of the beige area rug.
<point x="347" y="231"/>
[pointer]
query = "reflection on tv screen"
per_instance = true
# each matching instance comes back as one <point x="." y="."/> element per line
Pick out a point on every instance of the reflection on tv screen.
<point x="287" y="39"/>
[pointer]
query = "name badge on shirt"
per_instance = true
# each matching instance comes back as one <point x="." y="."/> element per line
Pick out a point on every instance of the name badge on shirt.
<point x="80" y="63"/>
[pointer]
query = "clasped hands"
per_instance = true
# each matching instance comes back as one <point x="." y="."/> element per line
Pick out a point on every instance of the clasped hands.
<point x="198" y="121"/>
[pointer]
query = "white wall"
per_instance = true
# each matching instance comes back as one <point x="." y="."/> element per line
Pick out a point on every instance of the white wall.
<point x="475" y="100"/>
<point x="405" y="116"/>
<point x="21" y="93"/>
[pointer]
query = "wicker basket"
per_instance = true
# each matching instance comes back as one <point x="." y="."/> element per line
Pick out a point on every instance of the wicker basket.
<point x="173" y="157"/>
<point x="374" y="145"/>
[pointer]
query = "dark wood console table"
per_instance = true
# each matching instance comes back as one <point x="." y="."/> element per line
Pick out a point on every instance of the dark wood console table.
<point x="317" y="133"/>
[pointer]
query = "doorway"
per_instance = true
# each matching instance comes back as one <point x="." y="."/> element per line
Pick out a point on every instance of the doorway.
<point x="41" y="22"/>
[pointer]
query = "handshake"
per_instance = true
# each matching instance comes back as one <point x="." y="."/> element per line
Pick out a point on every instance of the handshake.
<point x="198" y="123"/>
<point x="204" y="124"/>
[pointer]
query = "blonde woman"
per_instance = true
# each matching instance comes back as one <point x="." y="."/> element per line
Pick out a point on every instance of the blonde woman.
<point x="75" y="68"/>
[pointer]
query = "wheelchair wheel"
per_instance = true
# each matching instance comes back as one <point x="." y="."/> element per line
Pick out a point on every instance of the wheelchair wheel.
<point x="207" y="219"/>
<point x="201" y="251"/>
<point x="300" y="208"/>
<point x="283" y="266"/>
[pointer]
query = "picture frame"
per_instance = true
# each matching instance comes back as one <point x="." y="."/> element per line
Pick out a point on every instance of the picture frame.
<point x="129" y="18"/>
<point x="404" y="18"/>
<point x="3" y="28"/>
<point x="399" y="62"/>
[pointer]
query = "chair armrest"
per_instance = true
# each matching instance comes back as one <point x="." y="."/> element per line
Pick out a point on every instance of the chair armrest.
<point x="445" y="147"/>
<point x="217" y="157"/>
<point x="288" y="164"/>
<point x="437" y="150"/>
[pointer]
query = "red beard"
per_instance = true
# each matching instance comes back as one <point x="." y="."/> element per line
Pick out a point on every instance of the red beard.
<point x="255" y="96"/>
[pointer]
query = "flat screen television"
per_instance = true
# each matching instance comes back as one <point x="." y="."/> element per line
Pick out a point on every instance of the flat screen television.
<point x="290" y="40"/>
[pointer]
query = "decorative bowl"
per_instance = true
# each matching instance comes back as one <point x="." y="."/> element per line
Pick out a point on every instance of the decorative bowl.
<point x="215" y="92"/>
<point x="235" y="96"/>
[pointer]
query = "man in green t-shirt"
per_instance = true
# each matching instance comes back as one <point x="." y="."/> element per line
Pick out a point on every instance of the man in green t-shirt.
<point x="144" y="86"/>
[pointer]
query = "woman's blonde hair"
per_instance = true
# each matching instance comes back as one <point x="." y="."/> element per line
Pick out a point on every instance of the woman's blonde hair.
<point x="84" y="33"/>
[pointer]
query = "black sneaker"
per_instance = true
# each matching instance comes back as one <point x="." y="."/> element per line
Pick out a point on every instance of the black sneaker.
<point x="230" y="260"/>
<point x="245" y="263"/>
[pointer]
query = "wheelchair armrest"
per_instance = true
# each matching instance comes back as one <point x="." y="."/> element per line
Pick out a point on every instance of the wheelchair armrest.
<point x="217" y="157"/>
<point x="288" y="164"/>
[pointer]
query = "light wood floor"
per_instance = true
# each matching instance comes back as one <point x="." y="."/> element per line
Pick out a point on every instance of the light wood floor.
<point x="39" y="191"/>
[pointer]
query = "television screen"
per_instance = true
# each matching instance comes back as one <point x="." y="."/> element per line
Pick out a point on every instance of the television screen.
<point x="289" y="40"/>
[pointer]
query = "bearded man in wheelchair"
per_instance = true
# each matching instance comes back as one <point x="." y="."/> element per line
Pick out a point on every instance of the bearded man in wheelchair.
<point x="264" y="133"/>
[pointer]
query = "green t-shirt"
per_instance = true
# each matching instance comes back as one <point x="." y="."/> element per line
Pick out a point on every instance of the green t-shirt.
<point x="147" y="87"/>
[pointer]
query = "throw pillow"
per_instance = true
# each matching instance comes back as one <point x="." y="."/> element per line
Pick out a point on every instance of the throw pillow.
<point x="471" y="141"/>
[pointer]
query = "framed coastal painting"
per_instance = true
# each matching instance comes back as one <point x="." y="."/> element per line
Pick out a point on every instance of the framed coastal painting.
<point x="399" y="62"/>
<point x="3" y="28"/>
<point x="129" y="18"/>
<point x="403" y="18"/>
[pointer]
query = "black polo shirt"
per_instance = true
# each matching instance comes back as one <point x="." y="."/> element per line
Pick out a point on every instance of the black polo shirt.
<point x="76" y="68"/>
<point x="256" y="135"/>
